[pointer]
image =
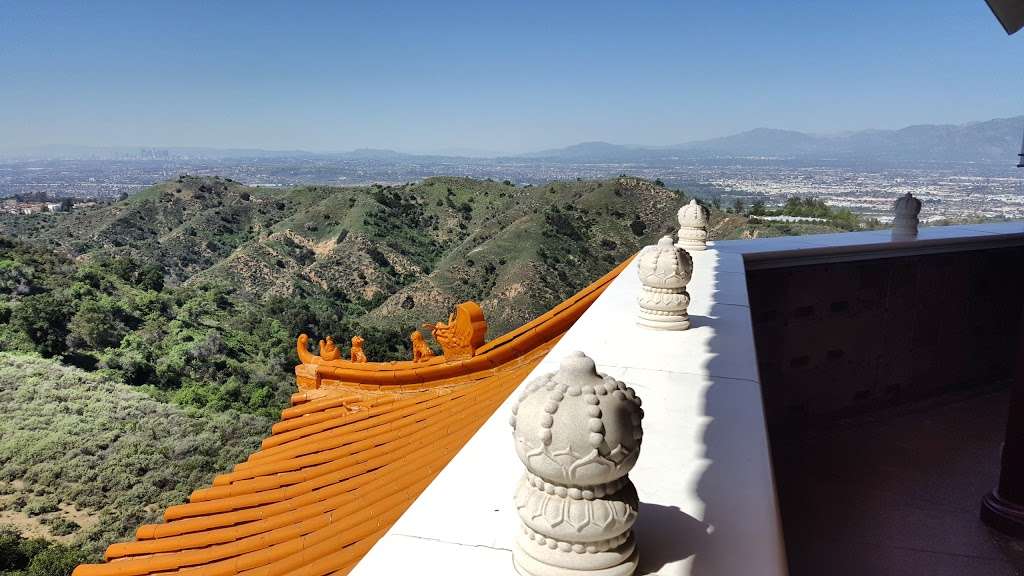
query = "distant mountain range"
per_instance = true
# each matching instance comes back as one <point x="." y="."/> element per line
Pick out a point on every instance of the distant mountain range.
<point x="991" y="141"/>
<point x="996" y="141"/>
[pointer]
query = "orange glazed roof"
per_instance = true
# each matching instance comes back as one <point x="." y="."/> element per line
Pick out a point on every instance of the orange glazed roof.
<point x="356" y="448"/>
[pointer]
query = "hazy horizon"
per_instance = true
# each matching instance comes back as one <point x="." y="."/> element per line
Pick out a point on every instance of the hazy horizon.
<point x="490" y="80"/>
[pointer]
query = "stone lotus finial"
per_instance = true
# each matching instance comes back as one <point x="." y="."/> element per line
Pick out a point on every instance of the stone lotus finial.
<point x="578" y="434"/>
<point x="904" y="223"/>
<point x="693" y="226"/>
<point x="664" y="271"/>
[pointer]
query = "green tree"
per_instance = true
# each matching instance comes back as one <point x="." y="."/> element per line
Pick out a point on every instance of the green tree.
<point x="44" y="319"/>
<point x="97" y="324"/>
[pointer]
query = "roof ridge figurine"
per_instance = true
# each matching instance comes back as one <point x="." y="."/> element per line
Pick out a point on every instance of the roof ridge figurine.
<point x="464" y="332"/>
<point x="356" y="354"/>
<point x="421" y="351"/>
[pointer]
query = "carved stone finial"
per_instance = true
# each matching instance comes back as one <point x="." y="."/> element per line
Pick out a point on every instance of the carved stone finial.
<point x="904" y="223"/>
<point x="421" y="351"/>
<point x="357" y="354"/>
<point x="578" y="434"/>
<point x="664" y="271"/>
<point x="693" y="226"/>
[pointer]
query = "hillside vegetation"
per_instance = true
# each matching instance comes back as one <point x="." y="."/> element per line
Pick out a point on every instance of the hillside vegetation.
<point x="149" y="343"/>
<point x="389" y="255"/>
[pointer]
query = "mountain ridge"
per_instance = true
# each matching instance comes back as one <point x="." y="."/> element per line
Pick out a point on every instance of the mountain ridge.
<point x="993" y="140"/>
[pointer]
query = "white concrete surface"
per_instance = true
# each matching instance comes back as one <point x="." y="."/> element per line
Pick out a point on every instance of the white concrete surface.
<point x="704" y="475"/>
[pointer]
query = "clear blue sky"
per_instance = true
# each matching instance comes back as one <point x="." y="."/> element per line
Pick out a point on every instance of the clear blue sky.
<point x="504" y="76"/>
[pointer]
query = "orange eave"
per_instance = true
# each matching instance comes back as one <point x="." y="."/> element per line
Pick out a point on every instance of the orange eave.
<point x="355" y="449"/>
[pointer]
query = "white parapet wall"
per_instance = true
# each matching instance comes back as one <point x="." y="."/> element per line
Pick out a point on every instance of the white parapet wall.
<point x="704" y="477"/>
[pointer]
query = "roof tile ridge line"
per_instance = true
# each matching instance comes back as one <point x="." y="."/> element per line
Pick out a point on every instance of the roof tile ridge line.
<point x="353" y="418"/>
<point x="404" y="475"/>
<point x="315" y="442"/>
<point x="338" y="412"/>
<point x="318" y="405"/>
<point x="314" y="544"/>
<point x="316" y="435"/>
<point x="375" y="468"/>
<point x="172" y="512"/>
<point x="491" y="410"/>
<point x="369" y="436"/>
<point x="349" y="556"/>
<point x="245" y="486"/>
<point x="332" y="428"/>
<point x="342" y="539"/>
<point x="416" y="453"/>
<point x="216" y="553"/>
<point x="368" y="472"/>
<point x="512" y="386"/>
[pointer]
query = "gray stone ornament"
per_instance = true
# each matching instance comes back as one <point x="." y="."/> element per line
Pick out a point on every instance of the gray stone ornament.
<point x="905" y="220"/>
<point x="578" y="434"/>
<point x="664" y="272"/>
<point x="693" y="226"/>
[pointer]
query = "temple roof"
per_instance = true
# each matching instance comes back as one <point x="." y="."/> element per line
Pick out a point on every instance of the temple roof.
<point x="359" y="444"/>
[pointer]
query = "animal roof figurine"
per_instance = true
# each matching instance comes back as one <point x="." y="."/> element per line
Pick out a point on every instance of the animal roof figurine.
<point x="463" y="334"/>
<point x="357" y="354"/>
<point x="421" y="351"/>
<point x="328" y="351"/>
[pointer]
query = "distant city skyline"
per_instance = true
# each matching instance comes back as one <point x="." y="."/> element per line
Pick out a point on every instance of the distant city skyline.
<point x="468" y="78"/>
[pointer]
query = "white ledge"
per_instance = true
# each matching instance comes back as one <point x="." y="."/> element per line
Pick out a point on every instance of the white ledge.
<point x="704" y="475"/>
<point x="871" y="245"/>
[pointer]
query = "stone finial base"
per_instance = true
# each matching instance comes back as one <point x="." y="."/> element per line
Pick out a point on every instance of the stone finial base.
<point x="904" y="231"/>
<point x="664" y="309"/>
<point x="533" y="559"/>
<point x="663" y="322"/>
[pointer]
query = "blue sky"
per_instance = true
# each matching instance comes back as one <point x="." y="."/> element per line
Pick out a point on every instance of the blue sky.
<point x="502" y="76"/>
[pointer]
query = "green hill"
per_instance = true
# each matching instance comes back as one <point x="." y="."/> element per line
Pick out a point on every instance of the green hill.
<point x="398" y="255"/>
<point x="177" y="310"/>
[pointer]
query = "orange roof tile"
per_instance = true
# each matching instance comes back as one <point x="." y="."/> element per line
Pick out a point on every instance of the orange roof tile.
<point x="356" y="448"/>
